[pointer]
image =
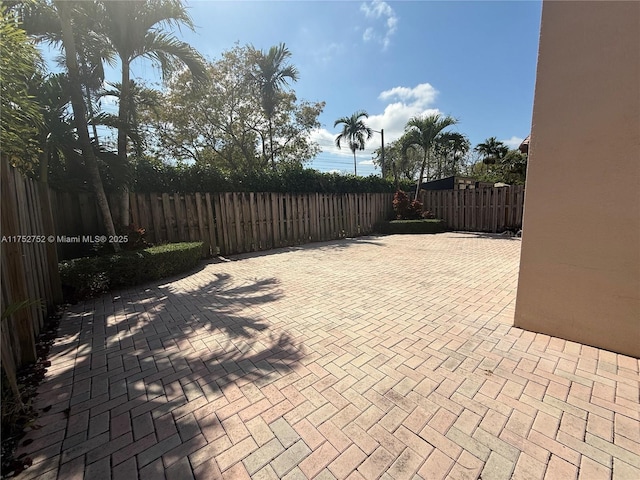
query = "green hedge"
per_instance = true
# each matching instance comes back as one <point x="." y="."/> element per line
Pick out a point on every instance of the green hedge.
<point x="154" y="176"/>
<point x="89" y="276"/>
<point x="412" y="226"/>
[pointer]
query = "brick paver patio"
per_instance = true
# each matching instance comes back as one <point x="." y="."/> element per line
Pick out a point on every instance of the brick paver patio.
<point x="387" y="357"/>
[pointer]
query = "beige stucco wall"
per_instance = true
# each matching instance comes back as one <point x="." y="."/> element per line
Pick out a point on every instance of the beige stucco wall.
<point x="580" y="264"/>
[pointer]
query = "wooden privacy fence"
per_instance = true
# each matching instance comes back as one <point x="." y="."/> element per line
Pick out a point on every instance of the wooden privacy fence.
<point x="29" y="266"/>
<point x="231" y="223"/>
<point x="477" y="210"/>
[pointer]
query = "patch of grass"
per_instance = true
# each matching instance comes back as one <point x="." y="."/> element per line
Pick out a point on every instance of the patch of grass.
<point x="90" y="276"/>
<point x="412" y="226"/>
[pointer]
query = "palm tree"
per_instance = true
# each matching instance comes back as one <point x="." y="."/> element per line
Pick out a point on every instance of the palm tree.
<point x="272" y="75"/>
<point x="452" y="146"/>
<point x="424" y="132"/>
<point x="134" y="30"/>
<point x="354" y="132"/>
<point x="491" y="150"/>
<point x="43" y="22"/>
<point x="57" y="136"/>
<point x="64" y="9"/>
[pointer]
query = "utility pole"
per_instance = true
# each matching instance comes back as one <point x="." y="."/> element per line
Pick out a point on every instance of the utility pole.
<point x="381" y="132"/>
<point x="382" y="153"/>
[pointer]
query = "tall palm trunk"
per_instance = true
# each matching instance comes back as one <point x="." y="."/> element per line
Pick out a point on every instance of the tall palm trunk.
<point x="273" y="164"/>
<point x="355" y="167"/>
<point x="80" y="116"/>
<point x="425" y="164"/>
<point x="123" y="119"/>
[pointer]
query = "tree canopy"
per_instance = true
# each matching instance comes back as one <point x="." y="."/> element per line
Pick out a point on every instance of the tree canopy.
<point x="21" y="119"/>
<point x="236" y="117"/>
<point x="425" y="132"/>
<point x="222" y="122"/>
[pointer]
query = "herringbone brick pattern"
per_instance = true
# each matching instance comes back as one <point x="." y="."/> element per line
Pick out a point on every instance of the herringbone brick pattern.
<point x="379" y="357"/>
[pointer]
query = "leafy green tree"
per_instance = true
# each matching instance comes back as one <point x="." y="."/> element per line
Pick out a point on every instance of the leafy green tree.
<point x="492" y="150"/>
<point x="424" y="132"/>
<point x="510" y="169"/>
<point x="223" y="123"/>
<point x="354" y="132"/>
<point x="272" y="73"/>
<point x="403" y="166"/>
<point x="135" y="30"/>
<point x="292" y="124"/>
<point x="21" y="116"/>
<point x="514" y="167"/>
<point x="214" y="125"/>
<point x="450" y="151"/>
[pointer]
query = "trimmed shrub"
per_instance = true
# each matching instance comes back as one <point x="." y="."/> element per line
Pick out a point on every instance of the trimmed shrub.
<point x="412" y="226"/>
<point x="405" y="208"/>
<point x="89" y="276"/>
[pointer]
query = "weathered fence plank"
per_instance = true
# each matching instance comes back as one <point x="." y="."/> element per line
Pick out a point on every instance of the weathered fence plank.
<point x="482" y="209"/>
<point x="28" y="265"/>
<point x="237" y="222"/>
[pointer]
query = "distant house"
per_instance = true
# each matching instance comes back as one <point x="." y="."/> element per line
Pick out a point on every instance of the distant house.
<point x="455" y="183"/>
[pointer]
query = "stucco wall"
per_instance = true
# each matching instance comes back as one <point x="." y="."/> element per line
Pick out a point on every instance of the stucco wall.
<point x="580" y="264"/>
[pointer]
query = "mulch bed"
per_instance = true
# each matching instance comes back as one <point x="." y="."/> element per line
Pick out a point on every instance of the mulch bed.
<point x="15" y="421"/>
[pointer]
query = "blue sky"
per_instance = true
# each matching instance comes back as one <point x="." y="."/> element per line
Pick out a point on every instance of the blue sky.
<point x="473" y="60"/>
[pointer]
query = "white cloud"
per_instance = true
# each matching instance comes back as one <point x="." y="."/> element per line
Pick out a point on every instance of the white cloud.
<point x="327" y="141"/>
<point x="513" y="142"/>
<point x="109" y="102"/>
<point x="375" y="11"/>
<point x="392" y="23"/>
<point x="404" y="103"/>
<point x="366" y="162"/>
<point x="422" y="94"/>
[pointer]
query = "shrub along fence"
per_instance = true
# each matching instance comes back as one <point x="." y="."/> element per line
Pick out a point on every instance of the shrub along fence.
<point x="477" y="210"/>
<point x="29" y="267"/>
<point x="229" y="223"/>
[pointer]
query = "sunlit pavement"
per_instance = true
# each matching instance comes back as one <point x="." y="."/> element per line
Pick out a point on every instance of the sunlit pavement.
<point x="389" y="357"/>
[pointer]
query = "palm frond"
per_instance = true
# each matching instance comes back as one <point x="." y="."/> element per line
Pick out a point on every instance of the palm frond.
<point x="168" y="50"/>
<point x="354" y="130"/>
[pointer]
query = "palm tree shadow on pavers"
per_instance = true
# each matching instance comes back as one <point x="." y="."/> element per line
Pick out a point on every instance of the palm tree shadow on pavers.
<point x="159" y="355"/>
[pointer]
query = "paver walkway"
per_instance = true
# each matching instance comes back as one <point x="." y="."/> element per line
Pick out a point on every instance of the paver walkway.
<point x="386" y="357"/>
